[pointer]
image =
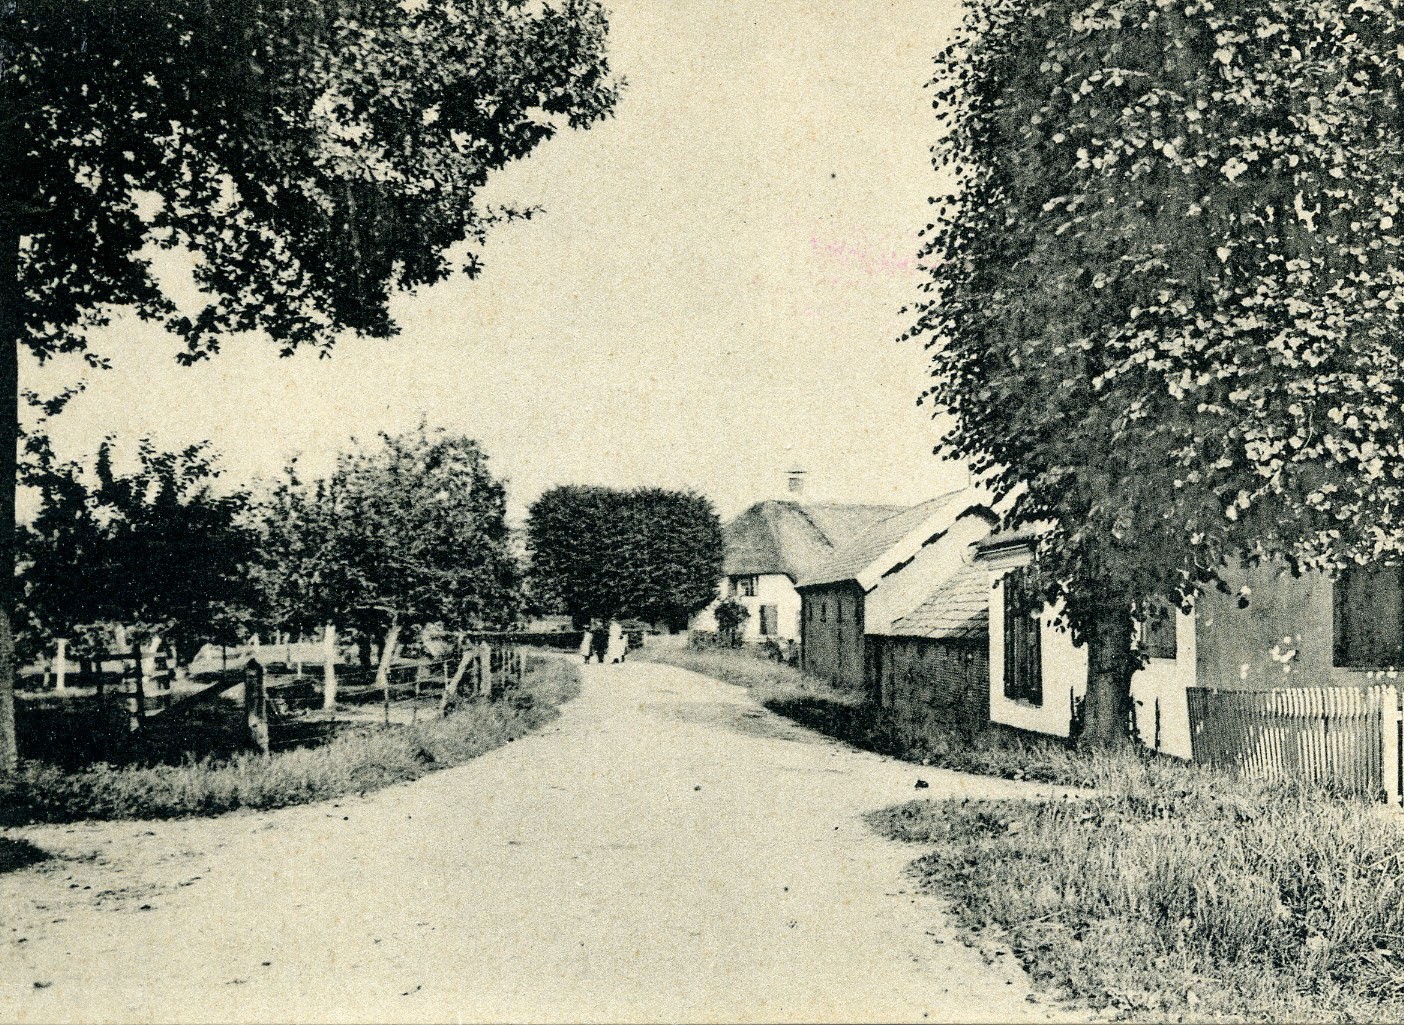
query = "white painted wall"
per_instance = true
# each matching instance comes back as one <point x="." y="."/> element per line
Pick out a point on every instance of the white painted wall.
<point x="1164" y="680"/>
<point x="771" y="589"/>
<point x="1064" y="674"/>
<point x="903" y="591"/>
<point x="1065" y="678"/>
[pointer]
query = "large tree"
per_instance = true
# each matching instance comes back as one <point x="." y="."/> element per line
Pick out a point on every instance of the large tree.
<point x="602" y="552"/>
<point x="315" y="155"/>
<point x="404" y="533"/>
<point x="1165" y="293"/>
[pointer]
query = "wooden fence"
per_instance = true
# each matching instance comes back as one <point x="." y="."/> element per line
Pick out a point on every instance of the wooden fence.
<point x="1348" y="738"/>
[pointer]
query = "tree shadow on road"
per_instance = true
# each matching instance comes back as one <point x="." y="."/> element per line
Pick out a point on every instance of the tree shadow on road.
<point x="750" y="721"/>
<point x="18" y="854"/>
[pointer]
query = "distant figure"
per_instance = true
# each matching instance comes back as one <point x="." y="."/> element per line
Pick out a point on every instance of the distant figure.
<point x="598" y="643"/>
<point x="618" y="643"/>
<point x="586" y="644"/>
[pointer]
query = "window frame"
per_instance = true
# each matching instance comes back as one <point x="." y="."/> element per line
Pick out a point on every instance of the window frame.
<point x="1348" y="601"/>
<point x="1155" y="642"/>
<point x="1023" y="651"/>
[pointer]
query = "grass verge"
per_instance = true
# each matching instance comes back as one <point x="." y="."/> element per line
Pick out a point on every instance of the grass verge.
<point x="1173" y="892"/>
<point x="353" y="762"/>
<point x="846" y="716"/>
<point x="1177" y="893"/>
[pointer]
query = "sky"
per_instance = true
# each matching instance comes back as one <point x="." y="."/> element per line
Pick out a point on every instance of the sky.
<point x="710" y="297"/>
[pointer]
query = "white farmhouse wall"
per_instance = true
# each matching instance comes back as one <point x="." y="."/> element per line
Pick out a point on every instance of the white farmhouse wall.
<point x="1163" y="681"/>
<point x="1064" y="675"/>
<point x="903" y="590"/>
<point x="771" y="589"/>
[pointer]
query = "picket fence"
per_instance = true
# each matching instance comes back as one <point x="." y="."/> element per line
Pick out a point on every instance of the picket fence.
<point x="1347" y="738"/>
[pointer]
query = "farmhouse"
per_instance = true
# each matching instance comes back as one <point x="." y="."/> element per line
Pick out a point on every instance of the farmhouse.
<point x="1271" y="630"/>
<point x="772" y="545"/>
<point x="856" y="597"/>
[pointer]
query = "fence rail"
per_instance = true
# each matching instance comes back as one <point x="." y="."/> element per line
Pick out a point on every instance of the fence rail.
<point x="1347" y="738"/>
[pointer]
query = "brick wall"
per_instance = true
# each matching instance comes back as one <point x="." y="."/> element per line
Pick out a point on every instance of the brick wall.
<point x="831" y="631"/>
<point x="929" y="684"/>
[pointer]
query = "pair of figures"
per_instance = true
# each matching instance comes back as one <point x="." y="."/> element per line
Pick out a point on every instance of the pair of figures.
<point x="607" y="644"/>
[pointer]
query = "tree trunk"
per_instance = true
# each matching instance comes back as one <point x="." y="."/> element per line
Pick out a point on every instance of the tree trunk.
<point x="1110" y="664"/>
<point x="382" y="675"/>
<point x="11" y="328"/>
<point x="363" y="649"/>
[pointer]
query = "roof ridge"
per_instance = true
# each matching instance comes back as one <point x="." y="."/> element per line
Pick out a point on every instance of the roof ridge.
<point x="799" y="508"/>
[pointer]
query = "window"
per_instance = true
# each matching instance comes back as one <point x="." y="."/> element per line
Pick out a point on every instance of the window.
<point x="1156" y="634"/>
<point x="744" y="586"/>
<point x="823" y="612"/>
<point x="838" y="610"/>
<point x="769" y="620"/>
<point x="1368" y="617"/>
<point x="1023" y="654"/>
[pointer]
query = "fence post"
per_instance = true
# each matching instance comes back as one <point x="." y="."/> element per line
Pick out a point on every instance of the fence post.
<point x="1389" y="745"/>
<point x="138" y="690"/>
<point x="256" y="705"/>
<point x="485" y="669"/>
<point x="450" y="697"/>
<point x="60" y="664"/>
<point x="329" y="668"/>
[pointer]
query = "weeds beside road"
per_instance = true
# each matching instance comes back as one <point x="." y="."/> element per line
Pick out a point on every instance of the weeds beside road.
<point x="355" y="761"/>
<point x="1173" y="892"/>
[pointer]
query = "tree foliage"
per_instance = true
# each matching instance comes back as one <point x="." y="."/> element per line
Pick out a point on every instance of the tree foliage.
<point x="157" y="549"/>
<point x="602" y="552"/>
<point x="1165" y="292"/>
<point x="317" y="155"/>
<point x="731" y="617"/>
<point x="407" y="532"/>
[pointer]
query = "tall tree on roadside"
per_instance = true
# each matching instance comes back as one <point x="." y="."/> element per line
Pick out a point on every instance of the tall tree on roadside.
<point x="317" y="155"/>
<point x="404" y="533"/>
<point x="1165" y="293"/>
<point x="600" y="552"/>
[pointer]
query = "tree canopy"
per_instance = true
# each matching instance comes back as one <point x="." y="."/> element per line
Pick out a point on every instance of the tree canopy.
<point x="1165" y="291"/>
<point x="407" y="532"/>
<point x="158" y="549"/>
<point x="317" y="155"/>
<point x="601" y="552"/>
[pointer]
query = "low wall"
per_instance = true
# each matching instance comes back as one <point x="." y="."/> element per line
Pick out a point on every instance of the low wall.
<point x="930" y="687"/>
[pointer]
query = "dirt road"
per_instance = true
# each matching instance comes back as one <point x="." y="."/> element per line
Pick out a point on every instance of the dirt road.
<point x="665" y="850"/>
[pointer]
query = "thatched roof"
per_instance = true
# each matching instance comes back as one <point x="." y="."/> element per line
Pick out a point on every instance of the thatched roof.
<point x="893" y="539"/>
<point x="793" y="538"/>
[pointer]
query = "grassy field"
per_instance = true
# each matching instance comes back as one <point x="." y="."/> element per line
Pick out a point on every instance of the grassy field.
<point x="356" y="760"/>
<point x="1174" y="892"/>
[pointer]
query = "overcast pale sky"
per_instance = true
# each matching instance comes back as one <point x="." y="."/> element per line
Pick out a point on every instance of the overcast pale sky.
<point x="710" y="296"/>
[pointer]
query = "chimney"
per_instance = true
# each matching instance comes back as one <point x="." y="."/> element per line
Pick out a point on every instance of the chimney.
<point x="794" y="483"/>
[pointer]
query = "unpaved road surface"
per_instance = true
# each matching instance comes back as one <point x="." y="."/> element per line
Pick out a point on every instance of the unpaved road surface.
<point x="667" y="850"/>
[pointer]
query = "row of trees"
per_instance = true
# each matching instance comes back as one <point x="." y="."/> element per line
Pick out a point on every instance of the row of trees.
<point x="603" y="553"/>
<point x="1165" y="302"/>
<point x="407" y="532"/>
